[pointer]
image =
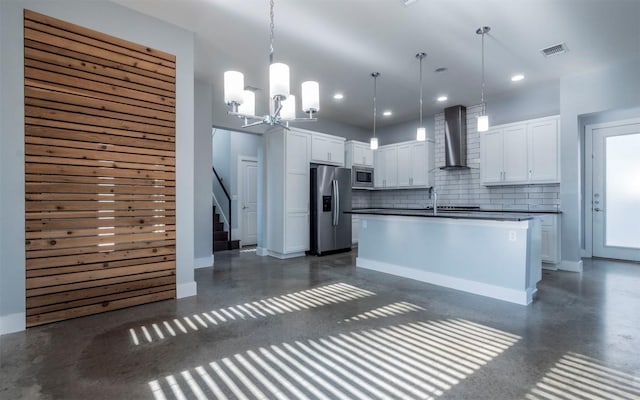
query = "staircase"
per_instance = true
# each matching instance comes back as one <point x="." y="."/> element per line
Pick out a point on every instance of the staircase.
<point x="220" y="236"/>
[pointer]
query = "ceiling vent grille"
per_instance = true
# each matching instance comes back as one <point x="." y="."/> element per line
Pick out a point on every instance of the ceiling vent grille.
<point x="554" y="50"/>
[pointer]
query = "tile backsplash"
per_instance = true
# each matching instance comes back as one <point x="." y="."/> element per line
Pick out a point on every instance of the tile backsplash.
<point x="462" y="187"/>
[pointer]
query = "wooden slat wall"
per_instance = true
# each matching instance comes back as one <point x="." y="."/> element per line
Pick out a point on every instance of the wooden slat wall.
<point x="100" y="171"/>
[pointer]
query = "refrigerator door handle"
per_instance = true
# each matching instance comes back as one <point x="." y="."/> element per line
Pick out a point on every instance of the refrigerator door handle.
<point x="337" y="217"/>
<point x="334" y="193"/>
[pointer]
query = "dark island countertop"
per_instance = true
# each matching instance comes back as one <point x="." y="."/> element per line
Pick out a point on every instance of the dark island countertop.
<point x="495" y="215"/>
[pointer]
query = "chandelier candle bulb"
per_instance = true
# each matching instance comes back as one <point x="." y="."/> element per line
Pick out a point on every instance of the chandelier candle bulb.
<point x="421" y="134"/>
<point x="279" y="80"/>
<point x="374" y="143"/>
<point x="483" y="123"/>
<point x="288" y="111"/>
<point x="233" y="87"/>
<point x="310" y="96"/>
<point x="248" y="106"/>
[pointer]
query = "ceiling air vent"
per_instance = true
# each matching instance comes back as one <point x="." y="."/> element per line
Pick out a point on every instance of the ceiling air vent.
<point x="554" y="50"/>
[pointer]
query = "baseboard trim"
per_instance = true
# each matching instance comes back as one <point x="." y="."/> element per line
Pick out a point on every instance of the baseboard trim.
<point x="13" y="323"/>
<point x="262" y="252"/>
<point x="203" y="262"/>
<point x="522" y="297"/>
<point x="186" y="289"/>
<point x="571" y="266"/>
<point x="284" y="256"/>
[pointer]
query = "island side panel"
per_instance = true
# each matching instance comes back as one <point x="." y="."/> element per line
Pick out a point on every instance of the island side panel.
<point x="487" y="257"/>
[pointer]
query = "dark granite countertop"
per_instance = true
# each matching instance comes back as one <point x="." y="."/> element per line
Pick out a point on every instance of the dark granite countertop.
<point x="494" y="215"/>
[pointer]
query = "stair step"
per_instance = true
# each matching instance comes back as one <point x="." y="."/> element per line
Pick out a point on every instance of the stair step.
<point x="218" y="226"/>
<point x="216" y="218"/>
<point x="220" y="245"/>
<point x="221" y="235"/>
<point x="234" y="244"/>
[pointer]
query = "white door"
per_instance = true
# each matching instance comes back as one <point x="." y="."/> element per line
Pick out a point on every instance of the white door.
<point x="616" y="192"/>
<point x="249" y="202"/>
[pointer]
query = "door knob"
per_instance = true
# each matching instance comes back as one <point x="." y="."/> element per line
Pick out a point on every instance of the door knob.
<point x="597" y="209"/>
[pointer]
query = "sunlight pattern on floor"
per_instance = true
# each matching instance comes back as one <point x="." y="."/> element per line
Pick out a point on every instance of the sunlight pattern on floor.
<point x="390" y="310"/>
<point x="411" y="361"/>
<point x="297" y="301"/>
<point x="578" y="377"/>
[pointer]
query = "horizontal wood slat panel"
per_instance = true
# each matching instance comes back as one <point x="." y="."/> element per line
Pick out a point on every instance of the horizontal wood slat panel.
<point x="67" y="102"/>
<point x="44" y="37"/>
<point x="101" y="299"/>
<point x="80" y="62"/>
<point x="100" y="258"/>
<point x="50" y="21"/>
<point x="98" y="308"/>
<point x="84" y="250"/>
<point x="93" y="76"/>
<point x="99" y="171"/>
<point x="31" y="273"/>
<point x="61" y="130"/>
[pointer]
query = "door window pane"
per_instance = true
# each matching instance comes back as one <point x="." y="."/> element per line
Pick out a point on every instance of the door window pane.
<point x="623" y="191"/>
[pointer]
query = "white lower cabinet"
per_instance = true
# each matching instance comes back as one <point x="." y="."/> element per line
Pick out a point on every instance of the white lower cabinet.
<point x="550" y="227"/>
<point x="355" y="229"/>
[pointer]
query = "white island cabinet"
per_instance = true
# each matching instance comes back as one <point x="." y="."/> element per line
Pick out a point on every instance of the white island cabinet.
<point x="497" y="257"/>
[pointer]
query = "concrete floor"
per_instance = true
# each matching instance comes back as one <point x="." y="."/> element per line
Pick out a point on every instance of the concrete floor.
<point x="320" y="328"/>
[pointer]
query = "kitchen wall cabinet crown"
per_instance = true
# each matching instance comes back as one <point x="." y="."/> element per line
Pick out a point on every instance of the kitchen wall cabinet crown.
<point x="287" y="158"/>
<point x="524" y="152"/>
<point x="358" y="153"/>
<point x="404" y="165"/>
<point x="327" y="149"/>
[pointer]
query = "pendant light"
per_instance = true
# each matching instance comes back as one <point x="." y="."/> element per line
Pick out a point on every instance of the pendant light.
<point x="374" y="140"/>
<point x="421" y="134"/>
<point x="483" y="118"/>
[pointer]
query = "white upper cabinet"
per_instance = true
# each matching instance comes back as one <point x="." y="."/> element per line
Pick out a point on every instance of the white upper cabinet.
<point x="521" y="153"/>
<point x="327" y="149"/>
<point x="358" y="153"/>
<point x="544" y="163"/>
<point x="404" y="165"/>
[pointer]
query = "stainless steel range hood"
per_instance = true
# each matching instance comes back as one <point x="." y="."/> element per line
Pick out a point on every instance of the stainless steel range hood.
<point x="455" y="138"/>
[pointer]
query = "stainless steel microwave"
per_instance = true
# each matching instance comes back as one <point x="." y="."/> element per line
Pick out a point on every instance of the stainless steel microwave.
<point x="361" y="177"/>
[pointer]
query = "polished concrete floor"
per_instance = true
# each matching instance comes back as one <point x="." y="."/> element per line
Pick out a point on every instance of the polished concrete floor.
<point x="318" y="328"/>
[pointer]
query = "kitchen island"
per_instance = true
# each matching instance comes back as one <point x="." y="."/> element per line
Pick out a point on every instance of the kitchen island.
<point x="492" y="254"/>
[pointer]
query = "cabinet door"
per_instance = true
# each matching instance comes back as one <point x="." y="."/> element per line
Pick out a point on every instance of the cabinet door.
<point x="335" y="151"/>
<point x="366" y="155"/>
<point x="491" y="157"/>
<point x="320" y="149"/>
<point x="543" y="151"/>
<point x="419" y="169"/>
<point x="391" y="167"/>
<point x="405" y="173"/>
<point x="296" y="229"/>
<point x="379" y="169"/>
<point x="515" y="154"/>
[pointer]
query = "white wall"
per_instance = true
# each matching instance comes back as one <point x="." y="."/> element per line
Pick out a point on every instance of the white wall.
<point x="203" y="175"/>
<point x="118" y="21"/>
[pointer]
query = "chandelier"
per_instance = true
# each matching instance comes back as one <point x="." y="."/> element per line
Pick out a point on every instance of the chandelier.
<point x="283" y="104"/>
<point x="483" y="118"/>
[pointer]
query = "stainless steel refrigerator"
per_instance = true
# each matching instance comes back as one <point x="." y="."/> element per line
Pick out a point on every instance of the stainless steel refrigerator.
<point x="330" y="198"/>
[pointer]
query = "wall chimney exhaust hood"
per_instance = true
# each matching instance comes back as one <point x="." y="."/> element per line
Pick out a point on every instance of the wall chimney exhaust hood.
<point x="455" y="138"/>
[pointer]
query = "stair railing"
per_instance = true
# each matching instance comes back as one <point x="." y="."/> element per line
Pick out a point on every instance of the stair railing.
<point x="226" y="193"/>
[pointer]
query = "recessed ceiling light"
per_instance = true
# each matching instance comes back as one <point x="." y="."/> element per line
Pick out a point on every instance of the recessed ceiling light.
<point x="440" y="69"/>
<point x="517" y="78"/>
<point x="442" y="98"/>
<point x="387" y="113"/>
<point x="338" y="96"/>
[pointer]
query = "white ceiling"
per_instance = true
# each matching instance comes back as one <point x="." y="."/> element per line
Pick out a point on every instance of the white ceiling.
<point x="340" y="42"/>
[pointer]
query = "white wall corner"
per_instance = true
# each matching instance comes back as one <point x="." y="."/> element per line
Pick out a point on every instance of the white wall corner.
<point x="571" y="266"/>
<point x="203" y="262"/>
<point x="186" y="289"/>
<point x="261" y="251"/>
<point x="13" y="323"/>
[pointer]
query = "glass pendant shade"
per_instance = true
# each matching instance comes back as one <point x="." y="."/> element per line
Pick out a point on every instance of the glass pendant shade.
<point x="278" y="80"/>
<point x="288" y="111"/>
<point x="233" y="87"/>
<point x="483" y="123"/>
<point x="421" y="134"/>
<point x="310" y="96"/>
<point x="248" y="106"/>
<point x="374" y="143"/>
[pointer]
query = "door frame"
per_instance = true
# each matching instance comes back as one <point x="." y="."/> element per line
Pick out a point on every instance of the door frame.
<point x="588" y="178"/>
<point x="240" y="180"/>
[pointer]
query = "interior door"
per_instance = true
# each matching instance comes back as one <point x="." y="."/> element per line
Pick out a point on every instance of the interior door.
<point x="249" y="202"/>
<point x="616" y="192"/>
